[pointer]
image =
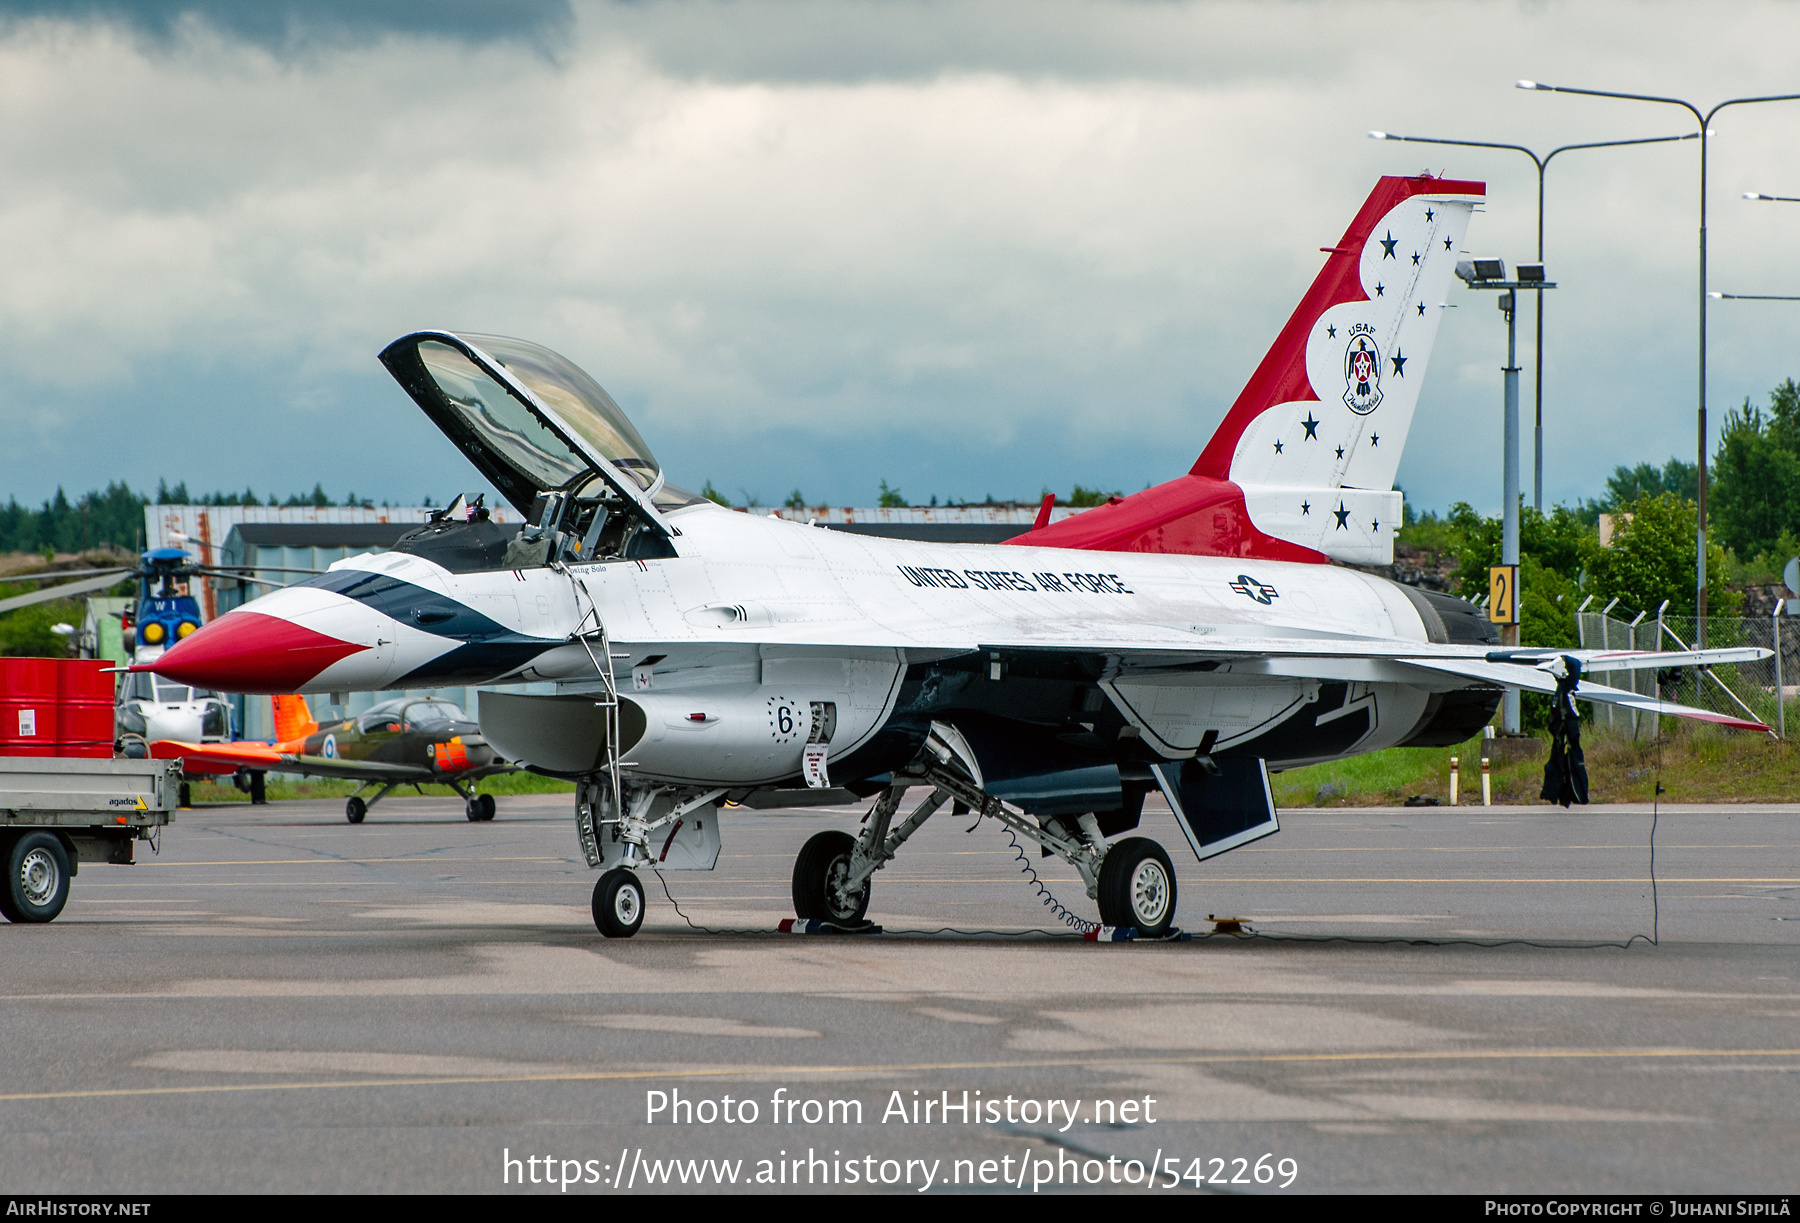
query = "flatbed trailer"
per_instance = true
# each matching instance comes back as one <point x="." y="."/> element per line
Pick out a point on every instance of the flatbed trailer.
<point x="57" y="813"/>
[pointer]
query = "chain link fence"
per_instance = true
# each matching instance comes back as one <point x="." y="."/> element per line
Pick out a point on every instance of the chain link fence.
<point x="1755" y="689"/>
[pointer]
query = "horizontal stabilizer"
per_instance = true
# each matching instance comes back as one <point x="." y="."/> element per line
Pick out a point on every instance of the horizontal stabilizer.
<point x="1533" y="679"/>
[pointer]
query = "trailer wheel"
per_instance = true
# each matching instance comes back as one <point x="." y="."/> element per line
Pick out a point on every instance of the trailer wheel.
<point x="37" y="879"/>
<point x="355" y="809"/>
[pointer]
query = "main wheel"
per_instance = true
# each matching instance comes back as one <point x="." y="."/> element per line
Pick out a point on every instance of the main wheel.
<point x="487" y="806"/>
<point x="824" y="862"/>
<point x="1137" y="887"/>
<point x="185" y="796"/>
<point x="355" y="809"/>
<point x="472" y="808"/>
<point x="37" y="879"/>
<point x="618" y="903"/>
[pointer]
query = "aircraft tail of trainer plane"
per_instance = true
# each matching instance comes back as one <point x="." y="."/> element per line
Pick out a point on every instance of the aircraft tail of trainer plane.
<point x="293" y="719"/>
<point x="1302" y="467"/>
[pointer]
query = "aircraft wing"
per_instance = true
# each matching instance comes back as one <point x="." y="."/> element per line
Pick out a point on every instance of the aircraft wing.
<point x="1397" y="661"/>
<point x="354" y="770"/>
<point x="216" y="757"/>
<point x="229" y="757"/>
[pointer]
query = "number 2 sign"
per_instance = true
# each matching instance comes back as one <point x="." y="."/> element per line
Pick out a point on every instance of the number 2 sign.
<point x="1503" y="594"/>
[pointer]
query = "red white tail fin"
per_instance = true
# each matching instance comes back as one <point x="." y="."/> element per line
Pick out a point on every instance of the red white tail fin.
<point x="1302" y="467"/>
<point x="293" y="719"/>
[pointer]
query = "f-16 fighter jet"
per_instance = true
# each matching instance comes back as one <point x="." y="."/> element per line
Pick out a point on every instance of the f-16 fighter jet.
<point x="1187" y="639"/>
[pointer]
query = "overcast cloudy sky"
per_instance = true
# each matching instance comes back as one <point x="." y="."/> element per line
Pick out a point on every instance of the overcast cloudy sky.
<point x="970" y="248"/>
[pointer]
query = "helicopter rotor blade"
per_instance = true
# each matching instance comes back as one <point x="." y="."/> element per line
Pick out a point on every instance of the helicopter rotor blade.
<point x="50" y="575"/>
<point x="254" y="569"/>
<point x="238" y="577"/>
<point x="64" y="591"/>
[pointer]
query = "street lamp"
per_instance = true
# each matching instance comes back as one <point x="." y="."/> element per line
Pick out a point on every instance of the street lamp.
<point x="1491" y="274"/>
<point x="1542" y="164"/>
<point x="1780" y="199"/>
<point x="1705" y="119"/>
<point x="1751" y="297"/>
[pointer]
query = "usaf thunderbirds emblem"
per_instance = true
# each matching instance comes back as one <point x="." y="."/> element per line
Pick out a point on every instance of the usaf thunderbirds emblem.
<point x="1362" y="371"/>
<point x="1250" y="588"/>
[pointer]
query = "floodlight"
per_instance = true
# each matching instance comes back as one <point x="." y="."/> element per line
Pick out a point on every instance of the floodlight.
<point x="1476" y="270"/>
<point x="1529" y="273"/>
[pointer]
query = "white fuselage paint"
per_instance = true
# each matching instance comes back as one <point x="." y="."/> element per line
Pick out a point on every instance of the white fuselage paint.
<point x="758" y="619"/>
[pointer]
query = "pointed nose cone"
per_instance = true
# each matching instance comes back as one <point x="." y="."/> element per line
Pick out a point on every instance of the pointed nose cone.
<point x="247" y="651"/>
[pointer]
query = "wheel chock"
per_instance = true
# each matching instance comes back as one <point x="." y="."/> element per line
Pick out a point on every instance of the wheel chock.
<point x="814" y="925"/>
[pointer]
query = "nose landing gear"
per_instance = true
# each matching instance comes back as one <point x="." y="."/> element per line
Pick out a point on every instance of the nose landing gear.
<point x="618" y="903"/>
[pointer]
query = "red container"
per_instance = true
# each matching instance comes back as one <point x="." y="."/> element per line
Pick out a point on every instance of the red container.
<point x="55" y="707"/>
<point x="28" y="706"/>
<point x="84" y="708"/>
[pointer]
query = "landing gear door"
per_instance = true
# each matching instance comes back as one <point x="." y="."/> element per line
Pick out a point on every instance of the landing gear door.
<point x="1219" y="811"/>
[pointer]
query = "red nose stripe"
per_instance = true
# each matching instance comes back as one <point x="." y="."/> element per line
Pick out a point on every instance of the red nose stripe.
<point x="249" y="652"/>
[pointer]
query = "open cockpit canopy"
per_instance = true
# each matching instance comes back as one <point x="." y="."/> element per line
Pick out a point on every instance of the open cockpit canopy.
<point x="532" y="421"/>
<point x="550" y="439"/>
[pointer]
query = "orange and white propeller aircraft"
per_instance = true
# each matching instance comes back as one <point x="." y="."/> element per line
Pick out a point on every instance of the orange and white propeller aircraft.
<point x="406" y="741"/>
<point x="1189" y="639"/>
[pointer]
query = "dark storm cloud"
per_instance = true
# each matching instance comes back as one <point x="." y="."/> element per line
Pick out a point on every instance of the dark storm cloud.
<point x="278" y="26"/>
<point x="852" y="41"/>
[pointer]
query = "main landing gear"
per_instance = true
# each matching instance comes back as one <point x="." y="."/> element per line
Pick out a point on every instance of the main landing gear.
<point x="356" y="807"/>
<point x="1132" y="880"/>
<point x="477" y="808"/>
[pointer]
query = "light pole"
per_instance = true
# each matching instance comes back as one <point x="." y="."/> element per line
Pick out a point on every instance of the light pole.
<point x="1491" y="274"/>
<point x="1705" y="120"/>
<point x="1542" y="164"/>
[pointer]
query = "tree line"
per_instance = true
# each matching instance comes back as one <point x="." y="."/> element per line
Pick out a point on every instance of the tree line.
<point x="115" y="517"/>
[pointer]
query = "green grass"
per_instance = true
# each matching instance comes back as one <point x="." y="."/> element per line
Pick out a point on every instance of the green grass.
<point x="1699" y="764"/>
<point x="283" y="787"/>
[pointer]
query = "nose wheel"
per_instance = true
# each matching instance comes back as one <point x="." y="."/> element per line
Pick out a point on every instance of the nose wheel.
<point x="618" y="903"/>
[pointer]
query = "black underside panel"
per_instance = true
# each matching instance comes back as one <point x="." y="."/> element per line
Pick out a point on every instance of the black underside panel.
<point x="1222" y="810"/>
